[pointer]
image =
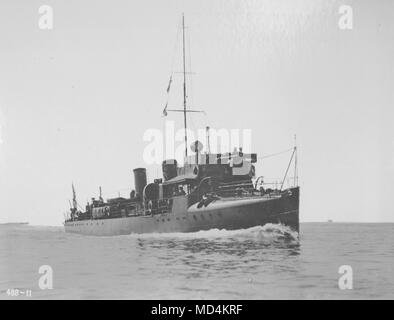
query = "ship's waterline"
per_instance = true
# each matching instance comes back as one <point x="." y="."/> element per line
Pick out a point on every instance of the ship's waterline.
<point x="226" y="214"/>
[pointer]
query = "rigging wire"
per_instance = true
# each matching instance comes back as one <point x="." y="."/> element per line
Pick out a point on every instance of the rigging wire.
<point x="191" y="87"/>
<point x="175" y="49"/>
<point x="275" y="154"/>
<point x="190" y="69"/>
<point x="190" y="80"/>
<point x="176" y="45"/>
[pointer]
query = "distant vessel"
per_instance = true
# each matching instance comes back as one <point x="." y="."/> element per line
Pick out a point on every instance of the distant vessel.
<point x="209" y="191"/>
<point x="329" y="220"/>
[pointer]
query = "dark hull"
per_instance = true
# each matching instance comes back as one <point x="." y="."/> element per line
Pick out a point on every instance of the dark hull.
<point x="229" y="214"/>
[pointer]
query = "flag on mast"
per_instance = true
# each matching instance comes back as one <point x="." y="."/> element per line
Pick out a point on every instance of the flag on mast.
<point x="169" y="85"/>
<point x="165" y="110"/>
<point x="74" y="197"/>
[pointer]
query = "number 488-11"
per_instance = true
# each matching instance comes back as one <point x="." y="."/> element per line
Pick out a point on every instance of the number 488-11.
<point x="17" y="293"/>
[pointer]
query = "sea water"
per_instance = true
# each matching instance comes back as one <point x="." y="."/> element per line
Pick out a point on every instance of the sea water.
<point x="269" y="262"/>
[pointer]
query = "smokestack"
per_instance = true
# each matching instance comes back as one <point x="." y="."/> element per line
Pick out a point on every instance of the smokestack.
<point x="139" y="181"/>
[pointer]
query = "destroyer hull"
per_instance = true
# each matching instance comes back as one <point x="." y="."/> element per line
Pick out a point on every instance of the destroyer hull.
<point x="226" y="214"/>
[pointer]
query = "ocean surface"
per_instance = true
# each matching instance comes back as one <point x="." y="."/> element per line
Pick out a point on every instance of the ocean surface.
<point x="269" y="262"/>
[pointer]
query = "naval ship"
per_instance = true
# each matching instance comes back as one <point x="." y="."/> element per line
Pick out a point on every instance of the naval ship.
<point x="208" y="191"/>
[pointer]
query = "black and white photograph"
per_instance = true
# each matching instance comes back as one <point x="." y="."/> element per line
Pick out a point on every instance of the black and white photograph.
<point x="196" y="150"/>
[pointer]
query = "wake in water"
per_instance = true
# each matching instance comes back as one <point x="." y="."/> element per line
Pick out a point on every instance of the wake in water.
<point x="223" y="243"/>
<point x="269" y="232"/>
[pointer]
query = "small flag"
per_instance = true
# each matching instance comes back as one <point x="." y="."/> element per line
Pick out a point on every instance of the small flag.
<point x="74" y="197"/>
<point x="165" y="110"/>
<point x="169" y="84"/>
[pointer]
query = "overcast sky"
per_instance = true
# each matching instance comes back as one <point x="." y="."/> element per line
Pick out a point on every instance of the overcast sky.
<point x="76" y="100"/>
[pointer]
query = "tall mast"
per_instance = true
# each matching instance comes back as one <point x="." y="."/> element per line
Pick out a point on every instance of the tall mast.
<point x="184" y="110"/>
<point x="184" y="82"/>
